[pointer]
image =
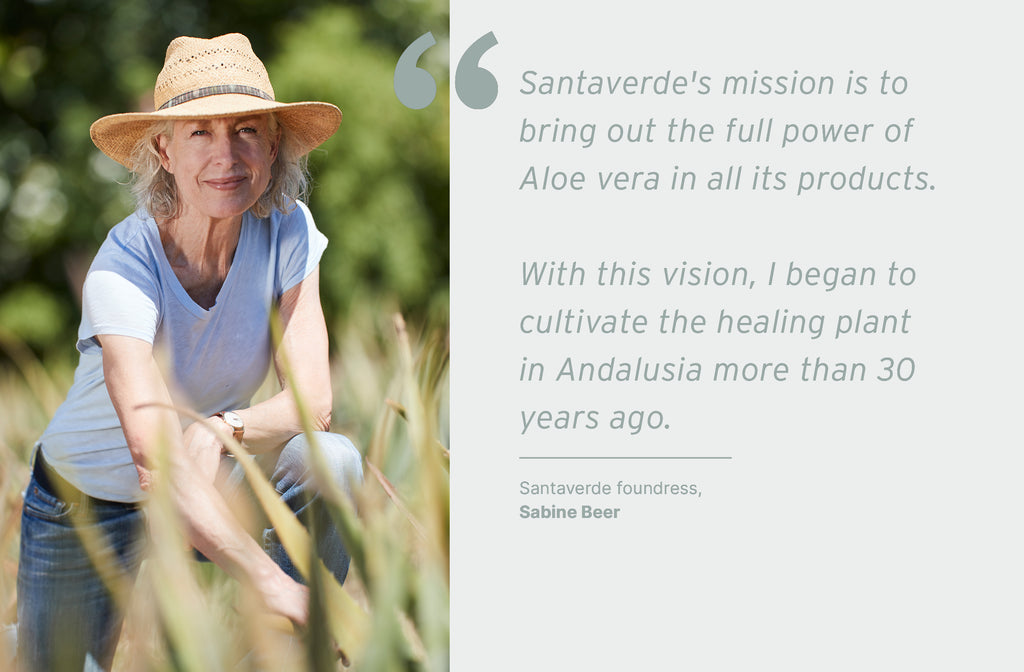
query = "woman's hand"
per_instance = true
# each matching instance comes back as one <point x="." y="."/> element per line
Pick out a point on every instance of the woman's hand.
<point x="284" y="597"/>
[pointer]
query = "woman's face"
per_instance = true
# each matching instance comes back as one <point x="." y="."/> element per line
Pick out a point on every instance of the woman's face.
<point x="221" y="166"/>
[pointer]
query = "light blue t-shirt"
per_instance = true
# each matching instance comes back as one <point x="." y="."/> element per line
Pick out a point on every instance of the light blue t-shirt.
<point x="216" y="358"/>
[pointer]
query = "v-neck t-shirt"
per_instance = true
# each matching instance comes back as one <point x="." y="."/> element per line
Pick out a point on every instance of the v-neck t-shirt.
<point x="215" y="359"/>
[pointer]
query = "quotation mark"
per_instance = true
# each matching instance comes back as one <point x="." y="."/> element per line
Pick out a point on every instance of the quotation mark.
<point x="476" y="87"/>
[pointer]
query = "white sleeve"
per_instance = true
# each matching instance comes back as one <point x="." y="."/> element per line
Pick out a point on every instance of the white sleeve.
<point x="300" y="246"/>
<point x="111" y="304"/>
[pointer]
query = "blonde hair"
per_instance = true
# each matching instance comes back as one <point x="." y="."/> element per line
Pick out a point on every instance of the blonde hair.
<point x="155" y="191"/>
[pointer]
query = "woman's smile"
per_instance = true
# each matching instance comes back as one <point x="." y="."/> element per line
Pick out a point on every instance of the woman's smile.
<point x="221" y="166"/>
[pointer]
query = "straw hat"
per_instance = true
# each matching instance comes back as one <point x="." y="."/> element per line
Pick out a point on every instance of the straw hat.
<point x="219" y="77"/>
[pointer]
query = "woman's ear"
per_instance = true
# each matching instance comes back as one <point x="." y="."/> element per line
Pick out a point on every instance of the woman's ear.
<point x="275" y="144"/>
<point x="161" y="142"/>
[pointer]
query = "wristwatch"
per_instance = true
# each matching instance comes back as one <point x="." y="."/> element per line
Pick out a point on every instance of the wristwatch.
<point x="234" y="421"/>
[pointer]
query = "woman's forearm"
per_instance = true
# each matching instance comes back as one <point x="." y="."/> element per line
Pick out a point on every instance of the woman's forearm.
<point x="214" y="530"/>
<point x="211" y="526"/>
<point x="271" y="423"/>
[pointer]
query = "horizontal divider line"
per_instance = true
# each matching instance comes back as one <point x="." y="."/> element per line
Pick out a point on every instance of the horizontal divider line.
<point x="625" y="457"/>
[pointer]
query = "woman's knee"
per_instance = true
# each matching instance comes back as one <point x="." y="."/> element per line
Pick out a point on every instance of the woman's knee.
<point x="338" y="454"/>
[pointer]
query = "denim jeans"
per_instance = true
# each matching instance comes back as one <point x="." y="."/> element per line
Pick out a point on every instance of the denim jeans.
<point x="66" y="617"/>
<point x="289" y="473"/>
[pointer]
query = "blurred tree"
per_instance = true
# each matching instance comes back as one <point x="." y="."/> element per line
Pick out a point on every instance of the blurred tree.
<point x="381" y="184"/>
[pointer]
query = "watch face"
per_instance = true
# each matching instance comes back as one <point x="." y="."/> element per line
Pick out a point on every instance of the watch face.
<point x="233" y="419"/>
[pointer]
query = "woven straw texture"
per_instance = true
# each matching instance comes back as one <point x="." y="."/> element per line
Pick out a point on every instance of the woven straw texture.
<point x="207" y="78"/>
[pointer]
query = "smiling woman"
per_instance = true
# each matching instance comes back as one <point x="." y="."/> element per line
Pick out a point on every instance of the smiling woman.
<point x="155" y="190"/>
<point x="220" y="166"/>
<point x="176" y="312"/>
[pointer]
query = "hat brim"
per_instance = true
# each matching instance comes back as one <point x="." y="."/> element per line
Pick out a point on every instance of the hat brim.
<point x="309" y="123"/>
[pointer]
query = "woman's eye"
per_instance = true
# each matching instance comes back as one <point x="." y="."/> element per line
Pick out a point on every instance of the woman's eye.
<point x="198" y="132"/>
<point x="247" y="129"/>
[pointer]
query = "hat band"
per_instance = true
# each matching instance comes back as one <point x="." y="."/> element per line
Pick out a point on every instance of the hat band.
<point x="214" y="91"/>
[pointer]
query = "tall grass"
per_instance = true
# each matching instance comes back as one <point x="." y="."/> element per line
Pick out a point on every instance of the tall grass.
<point x="392" y="613"/>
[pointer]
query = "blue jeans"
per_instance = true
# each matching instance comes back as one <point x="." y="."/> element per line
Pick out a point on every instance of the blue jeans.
<point x="289" y="473"/>
<point x="67" y="619"/>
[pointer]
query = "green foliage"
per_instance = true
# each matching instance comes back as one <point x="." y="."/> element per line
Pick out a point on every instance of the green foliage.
<point x="381" y="181"/>
<point x="32" y="314"/>
<point x="380" y="185"/>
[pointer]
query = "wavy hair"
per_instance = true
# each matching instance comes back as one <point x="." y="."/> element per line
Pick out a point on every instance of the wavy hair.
<point x="155" y="191"/>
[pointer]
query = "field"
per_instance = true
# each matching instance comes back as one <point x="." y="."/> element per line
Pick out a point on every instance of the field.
<point x="390" y="390"/>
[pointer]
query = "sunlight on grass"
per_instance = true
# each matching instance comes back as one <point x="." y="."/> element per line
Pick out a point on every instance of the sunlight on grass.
<point x="391" y="392"/>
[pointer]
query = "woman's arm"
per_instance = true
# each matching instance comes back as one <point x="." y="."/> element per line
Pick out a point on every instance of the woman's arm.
<point x="303" y="348"/>
<point x="141" y="399"/>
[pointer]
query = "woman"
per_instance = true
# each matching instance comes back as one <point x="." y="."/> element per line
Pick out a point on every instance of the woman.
<point x="176" y="312"/>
